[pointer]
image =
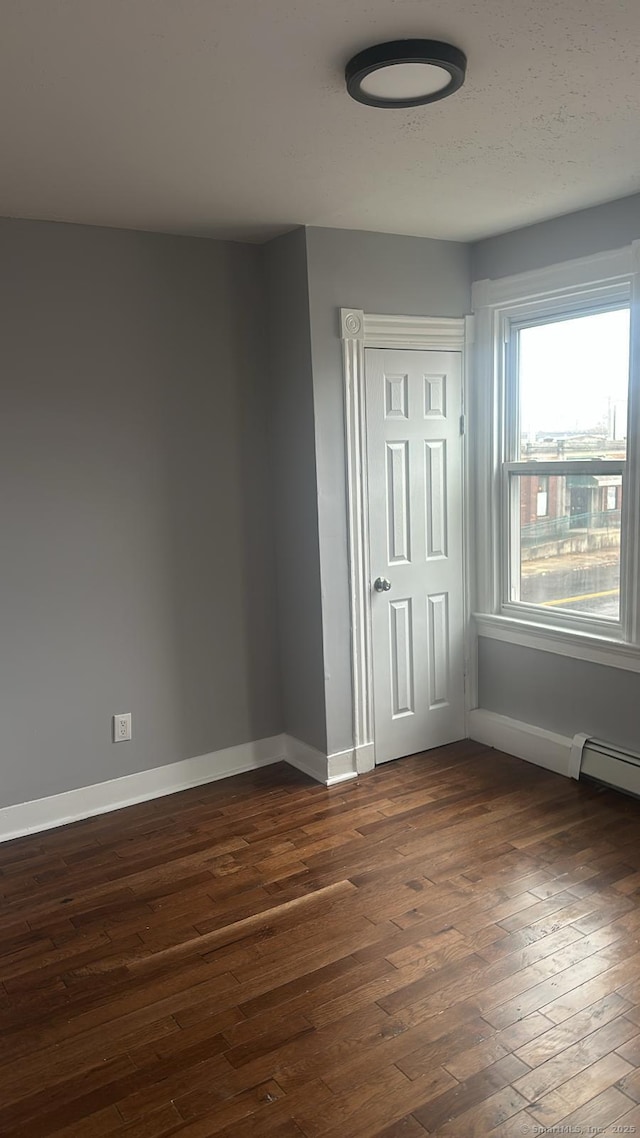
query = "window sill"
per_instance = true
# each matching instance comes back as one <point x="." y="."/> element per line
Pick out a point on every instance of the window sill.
<point x="562" y="642"/>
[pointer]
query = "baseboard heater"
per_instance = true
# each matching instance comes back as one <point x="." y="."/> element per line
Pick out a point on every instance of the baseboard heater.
<point x="612" y="766"/>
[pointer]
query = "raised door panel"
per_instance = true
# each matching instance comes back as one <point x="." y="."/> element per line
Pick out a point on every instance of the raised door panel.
<point x="401" y="657"/>
<point x="398" y="503"/>
<point x="435" y="495"/>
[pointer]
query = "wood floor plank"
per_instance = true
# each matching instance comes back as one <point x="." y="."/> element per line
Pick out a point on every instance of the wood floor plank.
<point x="574" y="1059"/>
<point x="628" y="1123"/>
<point x="448" y="945"/>
<point x="483" y="1118"/>
<point x="572" y="1030"/>
<point x="470" y="1093"/>
<point x="601" y="1112"/>
<point x="553" y="1107"/>
<point x="407" y="1127"/>
<point x="414" y="1050"/>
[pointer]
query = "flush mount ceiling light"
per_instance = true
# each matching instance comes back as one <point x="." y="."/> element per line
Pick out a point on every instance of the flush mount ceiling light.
<point x="405" y="73"/>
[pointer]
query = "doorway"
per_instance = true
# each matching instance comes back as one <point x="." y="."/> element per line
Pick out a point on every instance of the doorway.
<point x="404" y="398"/>
<point x="414" y="477"/>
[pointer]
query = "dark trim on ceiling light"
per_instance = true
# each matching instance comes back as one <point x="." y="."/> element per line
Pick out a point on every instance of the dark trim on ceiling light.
<point x="432" y="52"/>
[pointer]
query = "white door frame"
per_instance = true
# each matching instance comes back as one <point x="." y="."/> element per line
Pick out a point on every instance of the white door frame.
<point x="360" y="330"/>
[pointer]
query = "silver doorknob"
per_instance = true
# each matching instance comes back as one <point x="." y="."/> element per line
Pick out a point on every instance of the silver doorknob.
<point x="382" y="585"/>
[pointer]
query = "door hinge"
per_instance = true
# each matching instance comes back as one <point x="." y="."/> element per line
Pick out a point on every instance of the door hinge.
<point x="462" y="424"/>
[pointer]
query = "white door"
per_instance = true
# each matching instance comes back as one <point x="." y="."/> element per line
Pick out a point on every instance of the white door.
<point x="414" y="457"/>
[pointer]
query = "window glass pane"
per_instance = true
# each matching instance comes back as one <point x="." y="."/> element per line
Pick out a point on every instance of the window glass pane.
<point x="573" y="377"/>
<point x="570" y="558"/>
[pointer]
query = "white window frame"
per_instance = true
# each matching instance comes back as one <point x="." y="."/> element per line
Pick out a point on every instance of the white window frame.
<point x="589" y="284"/>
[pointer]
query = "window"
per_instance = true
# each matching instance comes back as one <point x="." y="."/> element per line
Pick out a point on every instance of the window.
<point x="566" y="403"/>
<point x="556" y="473"/>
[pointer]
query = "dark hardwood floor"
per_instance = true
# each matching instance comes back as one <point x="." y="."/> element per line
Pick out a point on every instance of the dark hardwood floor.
<point x="449" y="945"/>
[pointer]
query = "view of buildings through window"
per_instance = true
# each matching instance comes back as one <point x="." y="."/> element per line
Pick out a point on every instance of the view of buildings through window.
<point x="573" y="383"/>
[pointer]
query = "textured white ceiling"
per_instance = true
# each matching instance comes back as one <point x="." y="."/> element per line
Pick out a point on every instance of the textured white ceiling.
<point x="229" y="117"/>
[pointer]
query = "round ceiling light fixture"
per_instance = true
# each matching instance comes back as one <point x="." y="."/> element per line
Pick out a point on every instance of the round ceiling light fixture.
<point x="405" y="73"/>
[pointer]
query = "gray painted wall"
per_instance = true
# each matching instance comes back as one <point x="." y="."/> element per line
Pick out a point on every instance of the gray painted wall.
<point x="550" y="691"/>
<point x="377" y="273"/>
<point x="296" y="491"/>
<point x="559" y="693"/>
<point x="580" y="234"/>
<point x="137" y="568"/>
<point x="138" y="422"/>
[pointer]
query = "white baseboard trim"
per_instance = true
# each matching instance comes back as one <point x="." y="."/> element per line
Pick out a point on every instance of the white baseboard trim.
<point x="341" y="765"/>
<point x="544" y="748"/>
<point x="88" y="801"/>
<point x="72" y="805"/>
<point x="306" y="758"/>
<point x="328" y="769"/>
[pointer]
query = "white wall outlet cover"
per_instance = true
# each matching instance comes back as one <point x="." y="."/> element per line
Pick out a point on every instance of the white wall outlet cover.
<point x="122" y="728"/>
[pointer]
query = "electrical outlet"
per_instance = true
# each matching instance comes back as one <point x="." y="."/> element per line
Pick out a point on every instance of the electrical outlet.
<point x="121" y="727"/>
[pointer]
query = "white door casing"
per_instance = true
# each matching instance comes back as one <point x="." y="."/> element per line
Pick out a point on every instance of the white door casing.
<point x="414" y="460"/>
<point x="359" y="329"/>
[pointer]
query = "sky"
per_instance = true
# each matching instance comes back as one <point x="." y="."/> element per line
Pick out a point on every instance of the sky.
<point x="569" y="370"/>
